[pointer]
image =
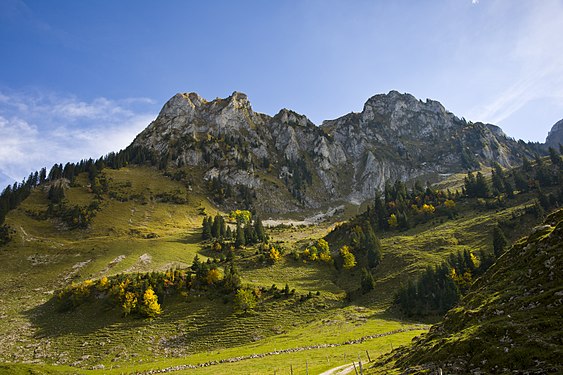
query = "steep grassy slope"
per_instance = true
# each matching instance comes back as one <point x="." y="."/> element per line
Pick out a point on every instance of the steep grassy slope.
<point x="44" y="256"/>
<point x="510" y="322"/>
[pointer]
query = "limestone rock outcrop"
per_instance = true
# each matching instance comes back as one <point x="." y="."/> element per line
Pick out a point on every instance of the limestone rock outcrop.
<point x="290" y="163"/>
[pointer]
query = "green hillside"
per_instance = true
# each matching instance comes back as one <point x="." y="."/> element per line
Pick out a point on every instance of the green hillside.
<point x="510" y="322"/>
<point x="137" y="224"/>
<point x="135" y="231"/>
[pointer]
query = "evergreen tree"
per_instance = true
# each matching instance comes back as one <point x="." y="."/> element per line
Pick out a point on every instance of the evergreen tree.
<point x="468" y="262"/>
<point x="520" y="181"/>
<point x="56" y="194"/>
<point x="469" y="184"/>
<point x="240" y="240"/>
<point x="249" y="234"/>
<point x="402" y="220"/>
<point x="259" y="230"/>
<point x="476" y="186"/>
<point x="499" y="241"/>
<point x="381" y="212"/>
<point x="196" y="264"/>
<point x="367" y="283"/>
<point x="372" y="247"/>
<point x="498" y="179"/>
<point x="485" y="261"/>
<point x="206" y="229"/>
<point x="434" y="293"/>
<point x="526" y="165"/>
<point x="232" y="279"/>
<point x="222" y="227"/>
<point x="544" y="200"/>
<point x="508" y="188"/>
<point x="216" y="226"/>
<point x="555" y="157"/>
<point x="42" y="175"/>
<point x="481" y="186"/>
<point x="6" y="234"/>
<point x="56" y="172"/>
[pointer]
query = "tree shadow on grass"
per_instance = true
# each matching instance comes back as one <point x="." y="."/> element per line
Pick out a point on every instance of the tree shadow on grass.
<point x="85" y="319"/>
<point x="191" y="238"/>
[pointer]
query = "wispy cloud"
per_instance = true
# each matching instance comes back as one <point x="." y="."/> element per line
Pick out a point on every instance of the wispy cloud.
<point x="536" y="52"/>
<point x="38" y="130"/>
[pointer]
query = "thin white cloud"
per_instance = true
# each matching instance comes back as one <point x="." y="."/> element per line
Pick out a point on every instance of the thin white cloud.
<point x="539" y="60"/>
<point x="38" y="130"/>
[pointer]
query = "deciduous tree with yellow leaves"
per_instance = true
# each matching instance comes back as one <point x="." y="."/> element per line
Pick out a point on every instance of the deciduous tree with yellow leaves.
<point x="150" y="307"/>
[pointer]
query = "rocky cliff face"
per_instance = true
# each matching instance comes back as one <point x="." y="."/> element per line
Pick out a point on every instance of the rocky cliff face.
<point x="555" y="136"/>
<point x="289" y="163"/>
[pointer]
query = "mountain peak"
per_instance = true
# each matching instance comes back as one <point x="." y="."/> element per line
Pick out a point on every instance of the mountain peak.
<point x="181" y="104"/>
<point x="555" y="135"/>
<point x="287" y="116"/>
<point x="396" y="136"/>
<point x="185" y="104"/>
<point x="395" y="101"/>
<point x="239" y="100"/>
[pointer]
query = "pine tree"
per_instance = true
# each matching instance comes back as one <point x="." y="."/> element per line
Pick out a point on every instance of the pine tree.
<point x="206" y="229"/>
<point x="381" y="212"/>
<point x="544" y="200"/>
<point x="196" y="264"/>
<point x="250" y="234"/>
<point x="223" y="227"/>
<point x="469" y="184"/>
<point x="499" y="241"/>
<point x="520" y="181"/>
<point x="216" y="226"/>
<point x="232" y="279"/>
<point x="367" y="283"/>
<point x="372" y="247"/>
<point x="526" y="165"/>
<point x="240" y="240"/>
<point x="42" y="175"/>
<point x="482" y="189"/>
<point x="403" y="220"/>
<point x="555" y="157"/>
<point x="498" y="179"/>
<point x="259" y="230"/>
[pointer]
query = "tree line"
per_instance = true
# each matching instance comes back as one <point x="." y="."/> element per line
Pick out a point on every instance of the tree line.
<point x="530" y="176"/>
<point x="248" y="231"/>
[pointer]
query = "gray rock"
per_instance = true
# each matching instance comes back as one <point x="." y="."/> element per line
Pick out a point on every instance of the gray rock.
<point x="395" y="136"/>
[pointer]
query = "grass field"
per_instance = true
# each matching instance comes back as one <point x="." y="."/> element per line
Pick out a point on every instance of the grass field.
<point x="134" y="231"/>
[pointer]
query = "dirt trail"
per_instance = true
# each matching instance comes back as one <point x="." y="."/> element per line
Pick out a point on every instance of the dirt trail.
<point x="340" y="370"/>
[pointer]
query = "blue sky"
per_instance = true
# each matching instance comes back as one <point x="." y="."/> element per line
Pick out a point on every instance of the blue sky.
<point x="81" y="78"/>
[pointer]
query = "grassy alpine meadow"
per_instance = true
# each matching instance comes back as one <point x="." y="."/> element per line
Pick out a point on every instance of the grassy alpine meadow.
<point x="144" y="222"/>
